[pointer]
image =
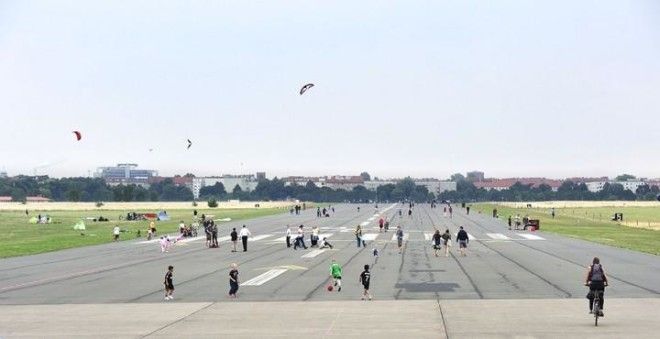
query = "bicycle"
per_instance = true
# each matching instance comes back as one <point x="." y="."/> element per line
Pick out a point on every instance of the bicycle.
<point x="596" y="306"/>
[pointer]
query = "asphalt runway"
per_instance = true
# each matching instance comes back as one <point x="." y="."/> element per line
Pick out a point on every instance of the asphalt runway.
<point x="501" y="264"/>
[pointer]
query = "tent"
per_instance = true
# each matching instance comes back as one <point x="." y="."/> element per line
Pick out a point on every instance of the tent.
<point x="79" y="226"/>
<point x="162" y="216"/>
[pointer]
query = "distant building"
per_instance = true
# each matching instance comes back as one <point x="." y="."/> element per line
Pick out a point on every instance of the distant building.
<point x="261" y="176"/>
<point x="125" y="174"/>
<point x="3" y="175"/>
<point x="475" y="176"/>
<point x="632" y="185"/>
<point x="502" y="184"/>
<point x="246" y="182"/>
<point x="373" y="185"/>
<point x="178" y="181"/>
<point x="344" y="182"/>
<point x="434" y="186"/>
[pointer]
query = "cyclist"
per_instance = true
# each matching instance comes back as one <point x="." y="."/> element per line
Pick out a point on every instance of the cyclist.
<point x="596" y="280"/>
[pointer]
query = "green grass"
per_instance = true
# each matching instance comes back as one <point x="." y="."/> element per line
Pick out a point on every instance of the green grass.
<point x="592" y="224"/>
<point x="18" y="237"/>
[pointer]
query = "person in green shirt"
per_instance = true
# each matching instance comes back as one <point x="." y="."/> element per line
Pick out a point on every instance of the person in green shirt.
<point x="335" y="273"/>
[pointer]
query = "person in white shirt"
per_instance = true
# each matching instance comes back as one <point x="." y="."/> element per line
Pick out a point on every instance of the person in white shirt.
<point x="115" y="232"/>
<point x="314" y="238"/>
<point x="300" y="239"/>
<point x="244" y="234"/>
<point x="288" y="236"/>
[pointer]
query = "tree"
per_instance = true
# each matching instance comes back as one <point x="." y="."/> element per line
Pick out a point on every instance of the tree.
<point x="212" y="203"/>
<point x="217" y="190"/>
<point x="365" y="176"/>
<point x="457" y="177"/>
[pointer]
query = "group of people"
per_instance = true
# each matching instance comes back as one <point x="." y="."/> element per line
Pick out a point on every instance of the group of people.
<point x="364" y="279"/>
<point x="299" y="240"/>
<point x="323" y="213"/>
<point x="444" y="239"/>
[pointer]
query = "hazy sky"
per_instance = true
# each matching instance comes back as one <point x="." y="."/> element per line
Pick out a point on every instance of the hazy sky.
<point x="421" y="88"/>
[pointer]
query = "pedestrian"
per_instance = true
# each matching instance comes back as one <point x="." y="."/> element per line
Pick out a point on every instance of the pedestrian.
<point x="437" y="242"/>
<point x="208" y="233"/>
<point x="169" y="283"/>
<point x="234" y="238"/>
<point x="233" y="280"/>
<point x="214" y="235"/>
<point x="451" y="212"/>
<point x="115" y="233"/>
<point x="358" y="236"/>
<point x="358" y="209"/>
<point x="467" y="210"/>
<point x="335" y="274"/>
<point x="365" y="280"/>
<point x="288" y="236"/>
<point x="387" y="225"/>
<point x="446" y="238"/>
<point x="26" y="212"/>
<point x="463" y="240"/>
<point x="318" y="212"/>
<point x="410" y="212"/>
<point x="375" y="252"/>
<point x="163" y="245"/>
<point x="509" y="222"/>
<point x="245" y="233"/>
<point x="325" y="243"/>
<point x="152" y="227"/>
<point x="399" y="238"/>
<point x="300" y="238"/>
<point x="314" y="237"/>
<point x="381" y="224"/>
<point x="552" y="213"/>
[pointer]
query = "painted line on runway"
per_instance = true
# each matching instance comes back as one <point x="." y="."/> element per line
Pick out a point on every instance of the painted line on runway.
<point x="260" y="237"/>
<point x="405" y="236"/>
<point x="265" y="277"/>
<point x="364" y="223"/>
<point x="498" y="236"/>
<point x="369" y="236"/>
<point x="313" y="253"/>
<point x="530" y="236"/>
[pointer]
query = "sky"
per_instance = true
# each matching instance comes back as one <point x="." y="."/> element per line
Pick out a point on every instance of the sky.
<point x="419" y="88"/>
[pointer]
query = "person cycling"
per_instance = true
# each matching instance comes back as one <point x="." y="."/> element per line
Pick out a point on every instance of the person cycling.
<point x="596" y="280"/>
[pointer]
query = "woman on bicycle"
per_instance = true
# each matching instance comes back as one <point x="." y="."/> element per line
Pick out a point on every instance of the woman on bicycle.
<point x="596" y="280"/>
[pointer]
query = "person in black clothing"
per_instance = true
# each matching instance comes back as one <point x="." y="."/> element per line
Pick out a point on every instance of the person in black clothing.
<point x="214" y="235"/>
<point x="463" y="239"/>
<point x="169" y="283"/>
<point x="596" y="280"/>
<point x="233" y="281"/>
<point x="467" y="210"/>
<point x="234" y="238"/>
<point x="365" y="280"/>
<point x="437" y="242"/>
<point x="509" y="222"/>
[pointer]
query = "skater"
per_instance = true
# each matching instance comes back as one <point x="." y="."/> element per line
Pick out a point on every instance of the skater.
<point x="288" y="236"/>
<point x="335" y="274"/>
<point x="245" y="233"/>
<point x="446" y="239"/>
<point x="325" y="243"/>
<point x="399" y="238"/>
<point x="234" y="238"/>
<point x="463" y="239"/>
<point x="365" y="280"/>
<point x="437" y="242"/>
<point x="233" y="280"/>
<point x="358" y="236"/>
<point x="169" y="283"/>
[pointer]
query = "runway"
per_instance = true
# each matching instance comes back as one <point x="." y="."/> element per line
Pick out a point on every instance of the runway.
<point x="500" y="264"/>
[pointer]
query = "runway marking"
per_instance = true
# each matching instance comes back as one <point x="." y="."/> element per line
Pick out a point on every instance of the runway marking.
<point x="369" y="236"/>
<point x="405" y="236"/>
<point x="225" y="238"/>
<point x="427" y="236"/>
<point x="313" y="253"/>
<point x="498" y="236"/>
<point x="530" y="236"/>
<point x="365" y="223"/>
<point x="260" y="237"/>
<point x="265" y="277"/>
<point x="345" y="231"/>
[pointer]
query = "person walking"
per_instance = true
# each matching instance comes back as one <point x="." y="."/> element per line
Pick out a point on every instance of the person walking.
<point x="399" y="238"/>
<point x="214" y="235"/>
<point x="233" y="280"/>
<point x="169" y="283"/>
<point x="463" y="240"/>
<point x="300" y="239"/>
<point x="446" y="238"/>
<point x="437" y="242"/>
<point x="115" y="233"/>
<point x="365" y="280"/>
<point x="381" y="224"/>
<point x="288" y="236"/>
<point x="335" y="274"/>
<point x="314" y="237"/>
<point x="358" y="236"/>
<point x="234" y="238"/>
<point x="244" y="234"/>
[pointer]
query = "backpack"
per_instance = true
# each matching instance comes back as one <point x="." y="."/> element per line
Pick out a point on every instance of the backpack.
<point x="597" y="273"/>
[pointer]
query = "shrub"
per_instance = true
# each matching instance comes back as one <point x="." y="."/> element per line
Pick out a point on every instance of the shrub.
<point x="99" y="204"/>
<point x="213" y="203"/>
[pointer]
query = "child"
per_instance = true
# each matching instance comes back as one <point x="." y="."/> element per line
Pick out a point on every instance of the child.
<point x="335" y="274"/>
<point x="169" y="284"/>
<point x="375" y="251"/>
<point x="233" y="280"/>
<point x="163" y="245"/>
<point x="325" y="243"/>
<point x="365" y="279"/>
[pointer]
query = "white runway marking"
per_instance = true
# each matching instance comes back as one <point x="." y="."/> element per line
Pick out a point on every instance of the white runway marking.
<point x="405" y="236"/>
<point x="365" y="223"/>
<point x="263" y="278"/>
<point x="369" y="236"/>
<point x="260" y="237"/>
<point x="427" y="236"/>
<point x="498" y="236"/>
<point x="530" y="236"/>
<point x="313" y="253"/>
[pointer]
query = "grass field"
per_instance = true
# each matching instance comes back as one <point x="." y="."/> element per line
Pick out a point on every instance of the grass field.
<point x="18" y="237"/>
<point x="594" y="224"/>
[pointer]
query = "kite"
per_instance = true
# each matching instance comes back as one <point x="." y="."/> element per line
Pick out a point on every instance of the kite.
<point x="189" y="143"/>
<point x="78" y="135"/>
<point x="305" y="88"/>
